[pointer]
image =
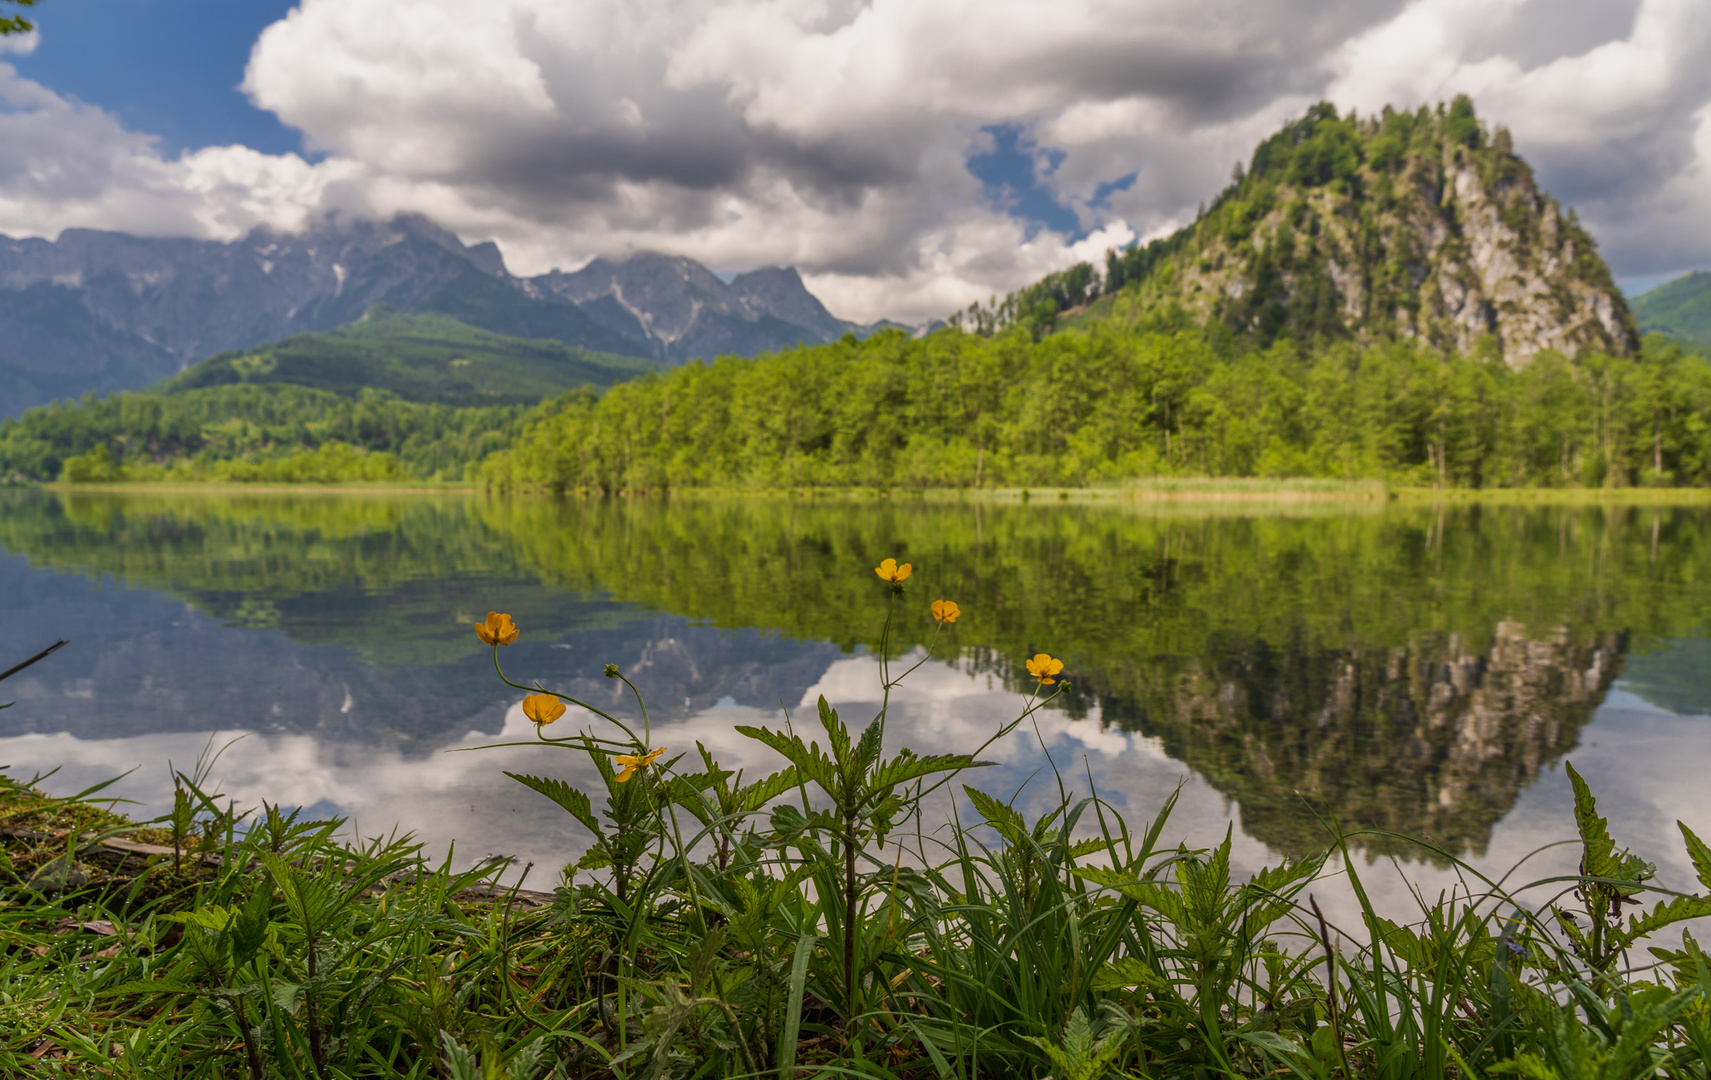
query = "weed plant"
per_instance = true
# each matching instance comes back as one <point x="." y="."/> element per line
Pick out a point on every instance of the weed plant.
<point x="809" y="923"/>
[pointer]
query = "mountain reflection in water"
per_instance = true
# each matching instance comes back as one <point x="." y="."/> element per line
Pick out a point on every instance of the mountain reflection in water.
<point x="1410" y="669"/>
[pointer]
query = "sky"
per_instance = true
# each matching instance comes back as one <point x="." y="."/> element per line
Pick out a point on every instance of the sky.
<point x="908" y="156"/>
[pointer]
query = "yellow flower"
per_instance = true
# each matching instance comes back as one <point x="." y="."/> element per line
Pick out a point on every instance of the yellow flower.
<point x="946" y="610"/>
<point x="543" y="709"/>
<point x="631" y="763"/>
<point x="1043" y="667"/>
<point x="890" y="571"/>
<point x="496" y="629"/>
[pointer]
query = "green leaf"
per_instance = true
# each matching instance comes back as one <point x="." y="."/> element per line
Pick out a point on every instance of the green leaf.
<point x="1091" y="846"/>
<point x="250" y="928"/>
<point x="1597" y="858"/>
<point x="793" y="1010"/>
<point x="761" y="792"/>
<point x="808" y="760"/>
<point x="867" y="750"/>
<point x="574" y="802"/>
<point x="287" y="995"/>
<point x="1128" y="971"/>
<point x="906" y="766"/>
<point x="1699" y="853"/>
<point x="209" y="917"/>
<point x="837" y="735"/>
<point x="460" y="1063"/>
<point x="1001" y="817"/>
<point x="1676" y="910"/>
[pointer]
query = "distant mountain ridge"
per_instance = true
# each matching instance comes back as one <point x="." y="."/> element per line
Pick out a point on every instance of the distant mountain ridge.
<point x="102" y="311"/>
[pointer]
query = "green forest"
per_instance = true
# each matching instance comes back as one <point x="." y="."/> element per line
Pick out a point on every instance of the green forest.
<point x="252" y="432"/>
<point x="1127" y="397"/>
<point x="1124" y="399"/>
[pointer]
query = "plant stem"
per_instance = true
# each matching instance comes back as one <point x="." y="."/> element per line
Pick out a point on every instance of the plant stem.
<point x="317" y="1052"/>
<point x="251" y="1051"/>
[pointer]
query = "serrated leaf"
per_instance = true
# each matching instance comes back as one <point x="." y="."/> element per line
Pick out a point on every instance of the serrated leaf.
<point x="209" y="917"/>
<point x="572" y="801"/>
<point x="460" y="1063"/>
<point x="837" y="735"/>
<point x="151" y="986"/>
<point x="763" y="791"/>
<point x="595" y="858"/>
<point x="1676" y="910"/>
<point x="1597" y="847"/>
<point x="867" y="748"/>
<point x="1699" y="853"/>
<point x="1126" y="972"/>
<point x="808" y="760"/>
<point x="287" y="995"/>
<point x="1124" y="882"/>
<point x="1001" y="817"/>
<point x="906" y="766"/>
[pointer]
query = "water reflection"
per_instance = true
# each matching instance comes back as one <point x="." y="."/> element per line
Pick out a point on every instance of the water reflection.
<point x="1413" y="670"/>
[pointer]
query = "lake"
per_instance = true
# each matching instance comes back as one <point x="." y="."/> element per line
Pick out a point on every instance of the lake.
<point x="1412" y="669"/>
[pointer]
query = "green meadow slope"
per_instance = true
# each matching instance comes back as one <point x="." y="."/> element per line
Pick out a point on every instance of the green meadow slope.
<point x="1680" y="308"/>
<point x="390" y="397"/>
<point x="419" y="357"/>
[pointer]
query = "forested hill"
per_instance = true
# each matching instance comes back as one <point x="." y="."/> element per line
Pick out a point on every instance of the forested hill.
<point x="1679" y="308"/>
<point x="419" y="357"/>
<point x="1422" y="227"/>
<point x="391" y="396"/>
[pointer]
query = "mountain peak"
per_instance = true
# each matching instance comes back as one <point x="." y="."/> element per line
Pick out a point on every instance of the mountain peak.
<point x="1420" y="226"/>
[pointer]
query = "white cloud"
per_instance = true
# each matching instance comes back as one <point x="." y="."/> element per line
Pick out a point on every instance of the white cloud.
<point x="834" y="134"/>
<point x="65" y="164"/>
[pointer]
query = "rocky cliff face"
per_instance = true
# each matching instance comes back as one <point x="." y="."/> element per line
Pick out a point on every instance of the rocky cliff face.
<point x="1419" y="226"/>
<point x="689" y="312"/>
<point x="1434" y="739"/>
<point x="105" y="311"/>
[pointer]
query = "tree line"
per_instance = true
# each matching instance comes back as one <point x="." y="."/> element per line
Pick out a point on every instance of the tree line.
<point x="1129" y="396"/>
<point x="1124" y="399"/>
<point x="272" y="432"/>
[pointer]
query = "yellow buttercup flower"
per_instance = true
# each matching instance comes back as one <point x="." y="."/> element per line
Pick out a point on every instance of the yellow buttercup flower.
<point x="1043" y="667"/>
<point x="496" y="629"/>
<point x="543" y="709"/>
<point x="631" y="763"/>
<point x="890" y="571"/>
<point x="946" y="610"/>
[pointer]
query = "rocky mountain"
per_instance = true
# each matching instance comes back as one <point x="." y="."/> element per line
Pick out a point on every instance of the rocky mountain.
<point x="1421" y="226"/>
<point x="1434" y="739"/>
<point x="105" y="311"/>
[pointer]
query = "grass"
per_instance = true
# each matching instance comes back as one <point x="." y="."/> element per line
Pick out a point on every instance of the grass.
<point x="808" y="923"/>
<point x="1566" y="495"/>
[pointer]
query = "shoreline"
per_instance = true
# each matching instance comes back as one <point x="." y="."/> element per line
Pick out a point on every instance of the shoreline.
<point x="1161" y="490"/>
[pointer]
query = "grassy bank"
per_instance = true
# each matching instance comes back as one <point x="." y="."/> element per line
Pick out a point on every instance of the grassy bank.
<point x="809" y="923"/>
<point x="1188" y="489"/>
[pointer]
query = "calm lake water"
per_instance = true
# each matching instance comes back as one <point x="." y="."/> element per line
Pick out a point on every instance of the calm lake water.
<point x="1419" y="670"/>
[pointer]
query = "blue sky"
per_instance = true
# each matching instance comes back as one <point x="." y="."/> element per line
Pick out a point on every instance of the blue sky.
<point x="909" y="156"/>
<point x="170" y="68"/>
